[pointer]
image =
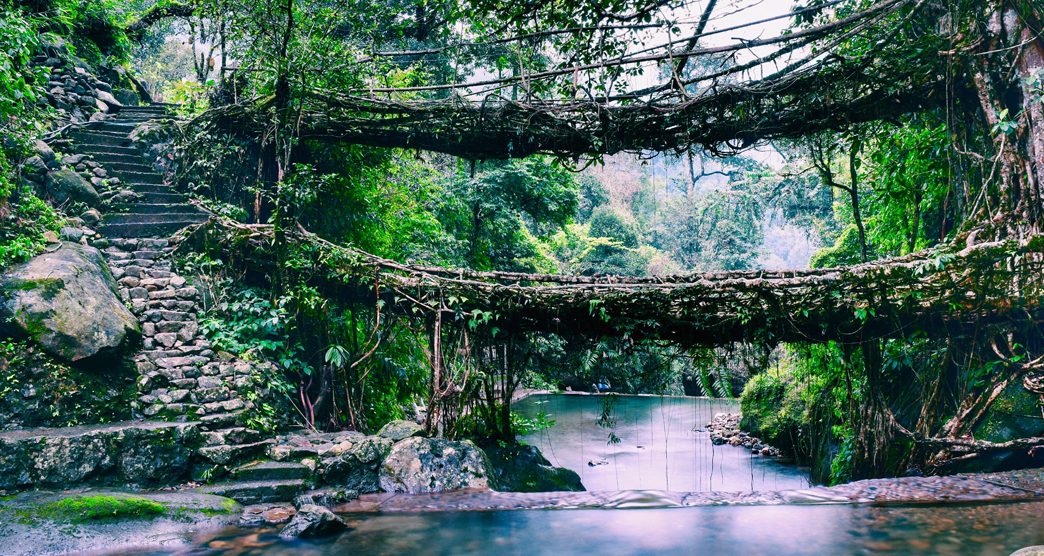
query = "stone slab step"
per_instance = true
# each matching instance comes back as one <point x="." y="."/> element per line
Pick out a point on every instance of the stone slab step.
<point x="150" y="187"/>
<point x="161" y="107"/>
<point x="58" y="457"/>
<point x="159" y="208"/>
<point x="272" y="471"/>
<point x="217" y="421"/>
<point x="107" y="150"/>
<point x="137" y="230"/>
<point x="107" y="159"/>
<point x="231" y="454"/>
<point x="154" y="218"/>
<point x="233" y="435"/>
<point x="102" y="133"/>
<point x="115" y="126"/>
<point x="258" y="492"/>
<point x="150" y="177"/>
<point x="125" y="164"/>
<point x="100" y="140"/>
<point x="168" y="198"/>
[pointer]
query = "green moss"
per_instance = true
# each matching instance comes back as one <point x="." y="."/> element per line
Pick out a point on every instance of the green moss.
<point x="50" y="286"/>
<point x="773" y="409"/>
<point x="228" y="506"/>
<point x="81" y="509"/>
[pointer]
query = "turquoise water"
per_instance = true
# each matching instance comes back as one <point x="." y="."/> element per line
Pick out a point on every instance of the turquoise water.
<point x="663" y="445"/>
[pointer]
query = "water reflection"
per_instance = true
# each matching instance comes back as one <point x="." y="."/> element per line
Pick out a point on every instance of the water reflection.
<point x="663" y="445"/>
<point x="990" y="529"/>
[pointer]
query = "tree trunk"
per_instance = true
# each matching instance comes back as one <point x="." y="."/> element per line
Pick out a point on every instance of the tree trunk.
<point x="1010" y="103"/>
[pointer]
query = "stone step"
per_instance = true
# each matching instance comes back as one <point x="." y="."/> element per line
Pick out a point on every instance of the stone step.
<point x="160" y="208"/>
<point x="126" y="164"/>
<point x="151" y="187"/>
<point x="115" y="126"/>
<point x="107" y="159"/>
<point x="102" y="133"/>
<point x="160" y="107"/>
<point x="271" y="471"/>
<point x="150" y="177"/>
<point x="233" y="435"/>
<point x="167" y="198"/>
<point x="154" y="218"/>
<point x="100" y="140"/>
<point x="138" y="230"/>
<point x="107" y="150"/>
<point x="258" y="492"/>
<point x="59" y="457"/>
<point x="216" y="421"/>
<point x="231" y="454"/>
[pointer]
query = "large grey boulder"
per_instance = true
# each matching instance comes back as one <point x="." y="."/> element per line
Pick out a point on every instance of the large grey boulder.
<point x="107" y="98"/>
<point x="66" y="301"/>
<point x="312" y="521"/>
<point x="417" y="465"/>
<point x="66" y="185"/>
<point x="355" y="464"/>
<point x="138" y="453"/>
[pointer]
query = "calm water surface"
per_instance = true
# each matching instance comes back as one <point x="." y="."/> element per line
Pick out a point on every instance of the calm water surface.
<point x="991" y="529"/>
<point x="663" y="445"/>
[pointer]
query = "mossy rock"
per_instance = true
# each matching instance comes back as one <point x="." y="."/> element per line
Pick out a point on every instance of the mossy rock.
<point x="522" y="468"/>
<point x="97" y="507"/>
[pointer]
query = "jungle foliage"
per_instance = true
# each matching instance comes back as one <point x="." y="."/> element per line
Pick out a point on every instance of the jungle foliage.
<point x="902" y="126"/>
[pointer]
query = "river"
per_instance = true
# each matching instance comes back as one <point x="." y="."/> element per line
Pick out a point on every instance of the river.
<point x="661" y="446"/>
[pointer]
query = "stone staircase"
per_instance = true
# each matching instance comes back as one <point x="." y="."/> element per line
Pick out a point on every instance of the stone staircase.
<point x="180" y="376"/>
<point x="158" y="210"/>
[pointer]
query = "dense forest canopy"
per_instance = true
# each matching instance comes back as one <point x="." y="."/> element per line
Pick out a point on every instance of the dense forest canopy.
<point x="357" y="151"/>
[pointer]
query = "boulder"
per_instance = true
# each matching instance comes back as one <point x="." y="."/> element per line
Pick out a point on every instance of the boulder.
<point x="35" y="169"/>
<point x="400" y="430"/>
<point x="66" y="301"/>
<point x="325" y="497"/>
<point x="44" y="151"/>
<point x="138" y="453"/>
<point x="418" y="465"/>
<point x="91" y="217"/>
<point x="108" y="99"/>
<point x="522" y="468"/>
<point x="355" y="465"/>
<point x="66" y="185"/>
<point x="312" y="521"/>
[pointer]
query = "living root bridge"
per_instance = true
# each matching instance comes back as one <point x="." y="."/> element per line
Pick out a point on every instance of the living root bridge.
<point x="936" y="292"/>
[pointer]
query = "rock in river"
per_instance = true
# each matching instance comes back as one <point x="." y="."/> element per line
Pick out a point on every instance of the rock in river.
<point x="417" y="465"/>
<point x="313" y="521"/>
<point x="66" y="301"/>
